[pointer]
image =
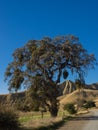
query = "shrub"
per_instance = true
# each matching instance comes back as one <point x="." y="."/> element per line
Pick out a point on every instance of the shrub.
<point x="21" y="106"/>
<point x="70" y="108"/>
<point x="8" y="119"/>
<point x="89" y="104"/>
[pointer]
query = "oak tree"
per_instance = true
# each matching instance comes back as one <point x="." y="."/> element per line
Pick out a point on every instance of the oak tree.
<point x="40" y="65"/>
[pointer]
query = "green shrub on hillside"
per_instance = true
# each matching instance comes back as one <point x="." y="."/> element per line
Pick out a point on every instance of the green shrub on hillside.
<point x="70" y="108"/>
<point x="89" y="104"/>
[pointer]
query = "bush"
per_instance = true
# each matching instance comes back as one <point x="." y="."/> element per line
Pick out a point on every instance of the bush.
<point x="89" y="104"/>
<point x="21" y="106"/>
<point x="8" y="120"/>
<point x="70" y="108"/>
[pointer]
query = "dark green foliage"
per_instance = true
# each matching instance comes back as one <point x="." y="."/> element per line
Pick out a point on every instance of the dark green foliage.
<point x="8" y="120"/>
<point x="70" y="108"/>
<point x="89" y="104"/>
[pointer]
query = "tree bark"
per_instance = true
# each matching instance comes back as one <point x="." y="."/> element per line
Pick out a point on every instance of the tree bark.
<point x="54" y="111"/>
<point x="54" y="108"/>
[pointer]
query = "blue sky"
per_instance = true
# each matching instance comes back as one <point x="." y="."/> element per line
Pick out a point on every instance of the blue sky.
<point x="22" y="20"/>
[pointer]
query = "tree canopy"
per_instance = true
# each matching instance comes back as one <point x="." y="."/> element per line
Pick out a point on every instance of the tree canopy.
<point x="41" y="64"/>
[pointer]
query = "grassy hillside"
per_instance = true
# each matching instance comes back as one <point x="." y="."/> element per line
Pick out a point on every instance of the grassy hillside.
<point x="6" y="98"/>
<point x="74" y="97"/>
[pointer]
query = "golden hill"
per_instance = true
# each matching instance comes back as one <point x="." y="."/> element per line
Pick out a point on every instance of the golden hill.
<point x="68" y="87"/>
<point x="76" y="96"/>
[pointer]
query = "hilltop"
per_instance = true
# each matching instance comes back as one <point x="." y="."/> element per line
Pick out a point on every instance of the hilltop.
<point x="68" y="87"/>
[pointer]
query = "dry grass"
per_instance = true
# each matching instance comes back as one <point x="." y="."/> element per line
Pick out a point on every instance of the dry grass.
<point x="76" y="95"/>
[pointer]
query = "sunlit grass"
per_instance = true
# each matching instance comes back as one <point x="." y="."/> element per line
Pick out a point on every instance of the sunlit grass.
<point x="24" y="117"/>
<point x="37" y="115"/>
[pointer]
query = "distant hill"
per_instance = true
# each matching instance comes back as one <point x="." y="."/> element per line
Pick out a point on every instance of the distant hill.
<point x="93" y="86"/>
<point x="68" y="87"/>
<point x="5" y="98"/>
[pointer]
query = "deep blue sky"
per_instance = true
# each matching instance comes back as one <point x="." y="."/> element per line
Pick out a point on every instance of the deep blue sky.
<point x="22" y="20"/>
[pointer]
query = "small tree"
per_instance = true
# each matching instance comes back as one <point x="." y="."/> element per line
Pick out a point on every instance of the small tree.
<point x="89" y="104"/>
<point x="41" y="64"/>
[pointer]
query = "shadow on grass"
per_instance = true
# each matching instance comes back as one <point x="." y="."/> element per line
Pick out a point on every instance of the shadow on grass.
<point x="54" y="126"/>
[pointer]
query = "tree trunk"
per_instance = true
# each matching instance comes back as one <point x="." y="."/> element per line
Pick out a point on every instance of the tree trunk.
<point x="54" y="108"/>
<point x="53" y="102"/>
<point x="54" y="112"/>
